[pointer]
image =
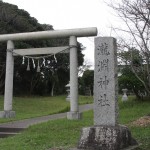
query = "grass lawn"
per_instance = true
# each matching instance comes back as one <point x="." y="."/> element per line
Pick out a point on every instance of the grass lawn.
<point x="65" y="133"/>
<point x="29" y="107"/>
<point x="132" y="110"/>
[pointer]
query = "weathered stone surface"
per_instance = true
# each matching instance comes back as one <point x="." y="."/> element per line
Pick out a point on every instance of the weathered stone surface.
<point x="105" y="138"/>
<point x="105" y="82"/>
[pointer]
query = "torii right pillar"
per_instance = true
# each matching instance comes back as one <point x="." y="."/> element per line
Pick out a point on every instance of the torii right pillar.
<point x="74" y="108"/>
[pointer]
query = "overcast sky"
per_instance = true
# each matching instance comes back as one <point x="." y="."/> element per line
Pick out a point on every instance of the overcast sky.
<point x="69" y="14"/>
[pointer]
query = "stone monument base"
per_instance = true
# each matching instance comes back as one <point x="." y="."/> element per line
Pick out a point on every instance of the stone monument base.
<point x="74" y="115"/>
<point x="106" y="138"/>
<point x="7" y="114"/>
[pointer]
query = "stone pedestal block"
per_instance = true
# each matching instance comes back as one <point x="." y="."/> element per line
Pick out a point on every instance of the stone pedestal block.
<point x="74" y="115"/>
<point x="106" y="138"/>
<point x="7" y="114"/>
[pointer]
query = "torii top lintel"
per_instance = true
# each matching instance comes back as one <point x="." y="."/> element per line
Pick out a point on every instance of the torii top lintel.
<point x="79" y="32"/>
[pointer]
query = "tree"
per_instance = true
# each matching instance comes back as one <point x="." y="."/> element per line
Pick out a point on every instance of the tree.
<point x="86" y="66"/>
<point x="128" y="80"/>
<point x="14" y="20"/>
<point x="136" y="16"/>
<point x="86" y="81"/>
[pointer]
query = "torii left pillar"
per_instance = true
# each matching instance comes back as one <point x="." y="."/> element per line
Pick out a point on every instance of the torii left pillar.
<point x="8" y="97"/>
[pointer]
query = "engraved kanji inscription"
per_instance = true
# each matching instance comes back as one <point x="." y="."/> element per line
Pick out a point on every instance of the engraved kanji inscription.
<point x="103" y="49"/>
<point x="103" y="101"/>
<point x="107" y="136"/>
<point x="103" y="82"/>
<point x="103" y="65"/>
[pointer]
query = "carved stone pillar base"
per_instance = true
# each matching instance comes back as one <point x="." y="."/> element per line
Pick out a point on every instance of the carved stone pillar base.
<point x="74" y="115"/>
<point x="7" y="114"/>
<point x="106" y="138"/>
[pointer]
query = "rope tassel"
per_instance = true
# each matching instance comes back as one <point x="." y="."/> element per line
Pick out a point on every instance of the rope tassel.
<point x="38" y="67"/>
<point x="55" y="58"/>
<point x="44" y="61"/>
<point x="33" y="63"/>
<point x="23" y="60"/>
<point x="28" y="66"/>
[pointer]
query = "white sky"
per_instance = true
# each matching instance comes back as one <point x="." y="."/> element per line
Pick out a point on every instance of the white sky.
<point x="69" y="14"/>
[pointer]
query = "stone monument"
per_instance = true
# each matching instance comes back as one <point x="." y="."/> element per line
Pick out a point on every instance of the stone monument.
<point x="106" y="134"/>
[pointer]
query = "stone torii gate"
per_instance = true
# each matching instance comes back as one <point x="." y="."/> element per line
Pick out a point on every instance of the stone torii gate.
<point x="72" y="34"/>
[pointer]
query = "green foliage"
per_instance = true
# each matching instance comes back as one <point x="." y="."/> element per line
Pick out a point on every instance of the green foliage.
<point x="87" y="80"/>
<point x="128" y="80"/>
<point x="133" y="67"/>
<point x="54" y="76"/>
<point x="132" y="55"/>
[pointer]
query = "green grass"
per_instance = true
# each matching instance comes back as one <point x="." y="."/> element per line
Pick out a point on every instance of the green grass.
<point x="131" y="111"/>
<point x="65" y="133"/>
<point x="85" y="100"/>
<point x="29" y="107"/>
<point x="142" y="135"/>
<point x="59" y="133"/>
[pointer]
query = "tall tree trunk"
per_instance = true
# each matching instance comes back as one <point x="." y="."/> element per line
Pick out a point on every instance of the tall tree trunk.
<point x="2" y="79"/>
<point x="33" y="84"/>
<point x="52" y="90"/>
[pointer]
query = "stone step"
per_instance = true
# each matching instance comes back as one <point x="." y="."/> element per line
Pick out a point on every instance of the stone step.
<point x="7" y="131"/>
<point x="7" y="134"/>
<point x="13" y="130"/>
